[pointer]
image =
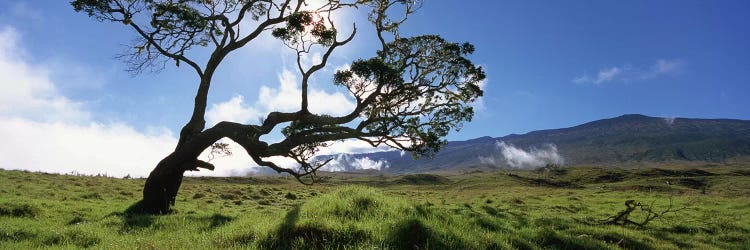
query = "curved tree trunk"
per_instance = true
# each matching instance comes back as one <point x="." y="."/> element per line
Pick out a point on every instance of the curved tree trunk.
<point x="161" y="187"/>
<point x="160" y="190"/>
<point x="164" y="182"/>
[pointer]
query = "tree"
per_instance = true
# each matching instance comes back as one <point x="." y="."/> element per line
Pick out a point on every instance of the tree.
<point x="409" y="95"/>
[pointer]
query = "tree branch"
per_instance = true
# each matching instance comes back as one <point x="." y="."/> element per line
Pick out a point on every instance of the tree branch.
<point x="176" y="57"/>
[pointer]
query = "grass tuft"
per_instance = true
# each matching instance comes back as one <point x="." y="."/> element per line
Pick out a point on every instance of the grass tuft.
<point x="478" y="210"/>
<point x="19" y="210"/>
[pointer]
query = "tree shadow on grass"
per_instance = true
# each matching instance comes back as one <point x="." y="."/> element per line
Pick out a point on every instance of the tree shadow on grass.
<point x="216" y="220"/>
<point x="290" y="235"/>
<point x="134" y="218"/>
<point x="415" y="234"/>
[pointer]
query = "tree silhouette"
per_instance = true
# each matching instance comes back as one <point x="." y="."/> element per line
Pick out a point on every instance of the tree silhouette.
<point x="409" y="95"/>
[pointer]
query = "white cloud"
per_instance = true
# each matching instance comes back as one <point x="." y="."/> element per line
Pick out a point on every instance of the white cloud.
<point x="489" y="160"/>
<point x="603" y="76"/>
<point x="352" y="146"/>
<point x="240" y="164"/>
<point x="533" y="158"/>
<point x="627" y="73"/>
<point x="515" y="157"/>
<point x="285" y="97"/>
<point x="669" y="120"/>
<point x="607" y="75"/>
<point x="233" y="110"/>
<point x="347" y="162"/>
<point x="288" y="97"/>
<point x="27" y="90"/>
<point x="265" y="42"/>
<point x="59" y="147"/>
<point x="237" y="164"/>
<point x="478" y="104"/>
<point x="307" y="60"/>
<point x="663" y="67"/>
<point x="43" y="130"/>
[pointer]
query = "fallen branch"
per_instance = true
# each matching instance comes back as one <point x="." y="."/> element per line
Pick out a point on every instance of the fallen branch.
<point x="622" y="218"/>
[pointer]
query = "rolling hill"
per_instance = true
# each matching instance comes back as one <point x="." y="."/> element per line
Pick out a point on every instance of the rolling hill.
<point x="620" y="141"/>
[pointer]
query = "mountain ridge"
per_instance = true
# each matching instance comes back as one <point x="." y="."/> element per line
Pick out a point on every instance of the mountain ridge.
<point x="624" y="140"/>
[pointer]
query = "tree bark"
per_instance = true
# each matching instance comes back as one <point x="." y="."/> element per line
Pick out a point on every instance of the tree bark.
<point x="161" y="187"/>
<point x="164" y="182"/>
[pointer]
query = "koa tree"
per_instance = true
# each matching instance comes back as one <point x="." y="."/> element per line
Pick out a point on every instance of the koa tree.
<point x="409" y="94"/>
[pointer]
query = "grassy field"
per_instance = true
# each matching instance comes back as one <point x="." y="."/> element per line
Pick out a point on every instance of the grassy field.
<point x="555" y="209"/>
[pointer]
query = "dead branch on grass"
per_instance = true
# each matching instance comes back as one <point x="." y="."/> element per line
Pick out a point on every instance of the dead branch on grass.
<point x="623" y="217"/>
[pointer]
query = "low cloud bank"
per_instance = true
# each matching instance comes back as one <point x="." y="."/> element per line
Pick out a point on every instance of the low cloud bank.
<point x="515" y="157"/>
<point x="43" y="130"/>
<point x="347" y="162"/>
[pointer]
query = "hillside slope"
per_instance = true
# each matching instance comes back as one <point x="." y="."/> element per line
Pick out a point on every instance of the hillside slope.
<point x="623" y="140"/>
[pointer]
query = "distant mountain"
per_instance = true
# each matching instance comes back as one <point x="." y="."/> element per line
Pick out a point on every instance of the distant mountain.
<point x="623" y="140"/>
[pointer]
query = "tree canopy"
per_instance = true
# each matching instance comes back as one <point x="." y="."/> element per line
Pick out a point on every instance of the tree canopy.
<point x="409" y="94"/>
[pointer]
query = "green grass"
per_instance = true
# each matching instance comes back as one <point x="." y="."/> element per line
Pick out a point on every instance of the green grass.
<point x="481" y="210"/>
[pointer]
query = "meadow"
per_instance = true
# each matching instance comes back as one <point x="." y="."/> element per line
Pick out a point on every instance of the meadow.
<point x="552" y="208"/>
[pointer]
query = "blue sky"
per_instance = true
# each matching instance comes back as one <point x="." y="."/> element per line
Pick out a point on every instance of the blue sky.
<point x="550" y="64"/>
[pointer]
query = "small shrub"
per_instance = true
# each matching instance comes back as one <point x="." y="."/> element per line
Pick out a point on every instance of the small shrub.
<point x="15" y="235"/>
<point x="198" y="196"/>
<point x="77" y="219"/>
<point x="19" y="210"/>
<point x="264" y="202"/>
<point x="96" y="196"/>
<point x="245" y="239"/>
<point x="290" y="196"/>
<point x="489" y="224"/>
<point x="218" y="220"/>
<point x="228" y="196"/>
<point x="77" y="238"/>
<point x="423" y="179"/>
<point x="415" y="234"/>
<point x="315" y="236"/>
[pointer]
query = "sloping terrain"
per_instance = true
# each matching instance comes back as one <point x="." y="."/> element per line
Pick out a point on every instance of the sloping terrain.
<point x="622" y="141"/>
<point x="552" y="208"/>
